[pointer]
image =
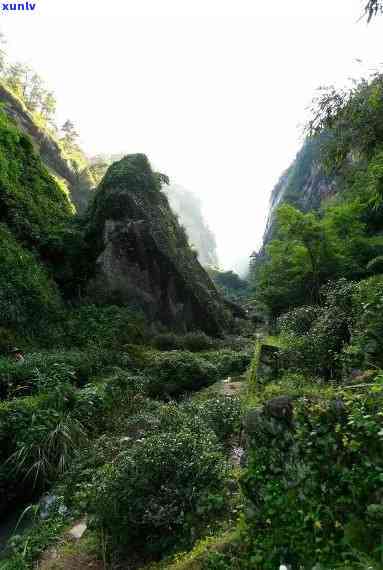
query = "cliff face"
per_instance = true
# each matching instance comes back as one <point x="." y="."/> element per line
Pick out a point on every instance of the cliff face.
<point x="188" y="207"/>
<point x="303" y="184"/>
<point x="79" y="182"/>
<point x="142" y="253"/>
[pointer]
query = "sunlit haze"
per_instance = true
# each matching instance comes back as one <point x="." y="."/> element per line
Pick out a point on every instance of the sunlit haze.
<point x="213" y="91"/>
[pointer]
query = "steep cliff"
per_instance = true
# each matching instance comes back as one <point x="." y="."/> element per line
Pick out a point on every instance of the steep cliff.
<point x="141" y="253"/>
<point x="77" y="178"/>
<point x="303" y="185"/>
<point x="188" y="207"/>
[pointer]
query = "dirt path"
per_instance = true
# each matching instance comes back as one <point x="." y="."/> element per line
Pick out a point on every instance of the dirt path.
<point x="231" y="387"/>
<point x="56" y="560"/>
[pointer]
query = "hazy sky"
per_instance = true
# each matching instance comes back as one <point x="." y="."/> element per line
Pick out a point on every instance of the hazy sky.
<point x="213" y="91"/>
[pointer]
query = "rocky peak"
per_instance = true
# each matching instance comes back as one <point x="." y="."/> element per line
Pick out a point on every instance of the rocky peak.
<point x="142" y="256"/>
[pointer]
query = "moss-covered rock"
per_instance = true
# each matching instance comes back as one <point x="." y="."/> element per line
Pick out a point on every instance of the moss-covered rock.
<point x="142" y="254"/>
<point x="35" y="217"/>
<point x="27" y="293"/>
<point x="75" y="174"/>
<point x="31" y="203"/>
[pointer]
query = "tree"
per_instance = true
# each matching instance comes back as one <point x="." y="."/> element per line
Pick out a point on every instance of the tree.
<point x="373" y="8"/>
<point x="70" y="136"/>
<point x="307" y="231"/>
<point x="48" y="106"/>
<point x="297" y="262"/>
<point x="70" y="133"/>
<point x="36" y="93"/>
<point x="351" y="119"/>
<point x="17" y="78"/>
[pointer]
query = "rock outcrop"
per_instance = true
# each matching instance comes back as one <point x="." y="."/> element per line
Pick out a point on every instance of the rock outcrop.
<point x="142" y="255"/>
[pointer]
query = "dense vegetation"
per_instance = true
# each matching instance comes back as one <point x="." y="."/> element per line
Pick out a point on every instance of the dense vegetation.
<point x="342" y="239"/>
<point x="314" y="475"/>
<point x="126" y="422"/>
<point x="96" y="385"/>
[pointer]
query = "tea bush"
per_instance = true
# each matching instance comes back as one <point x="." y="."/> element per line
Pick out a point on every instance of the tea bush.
<point x="19" y="379"/>
<point x="167" y="341"/>
<point x="196" y="341"/>
<point x="229" y="362"/>
<point x="174" y="373"/>
<point x="160" y="492"/>
<point x="222" y="414"/>
<point x="105" y="327"/>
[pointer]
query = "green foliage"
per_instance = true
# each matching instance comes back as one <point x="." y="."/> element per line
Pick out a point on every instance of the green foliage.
<point x="192" y="341"/>
<point x="7" y="340"/>
<point x="28" y="296"/>
<point x="176" y="372"/>
<point x="160" y="491"/>
<point x="344" y="238"/>
<point x="167" y="341"/>
<point x="366" y="349"/>
<point x="314" y="337"/>
<point x="353" y="118"/>
<point x="229" y="283"/>
<point x="39" y="436"/>
<point x="25" y="548"/>
<point x="312" y="249"/>
<point x="197" y="341"/>
<point x="108" y="327"/>
<point x="298" y="321"/>
<point x="221" y="414"/>
<point x="313" y="487"/>
<point x="54" y="369"/>
<point x="33" y="206"/>
<point x="228" y="361"/>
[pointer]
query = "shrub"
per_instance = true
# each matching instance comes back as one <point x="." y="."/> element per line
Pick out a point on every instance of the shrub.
<point x="299" y="321"/>
<point x="161" y="492"/>
<point x="229" y="362"/>
<point x="45" y="448"/>
<point x="197" y="341"/>
<point x="167" y="341"/>
<point x="28" y="296"/>
<point x="193" y="341"/>
<point x="314" y="337"/>
<point x="314" y="488"/>
<point x="174" y="373"/>
<point x="222" y="414"/>
<point x="108" y="327"/>
<point x="367" y="340"/>
<point x="52" y="368"/>
<point x="26" y="548"/>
